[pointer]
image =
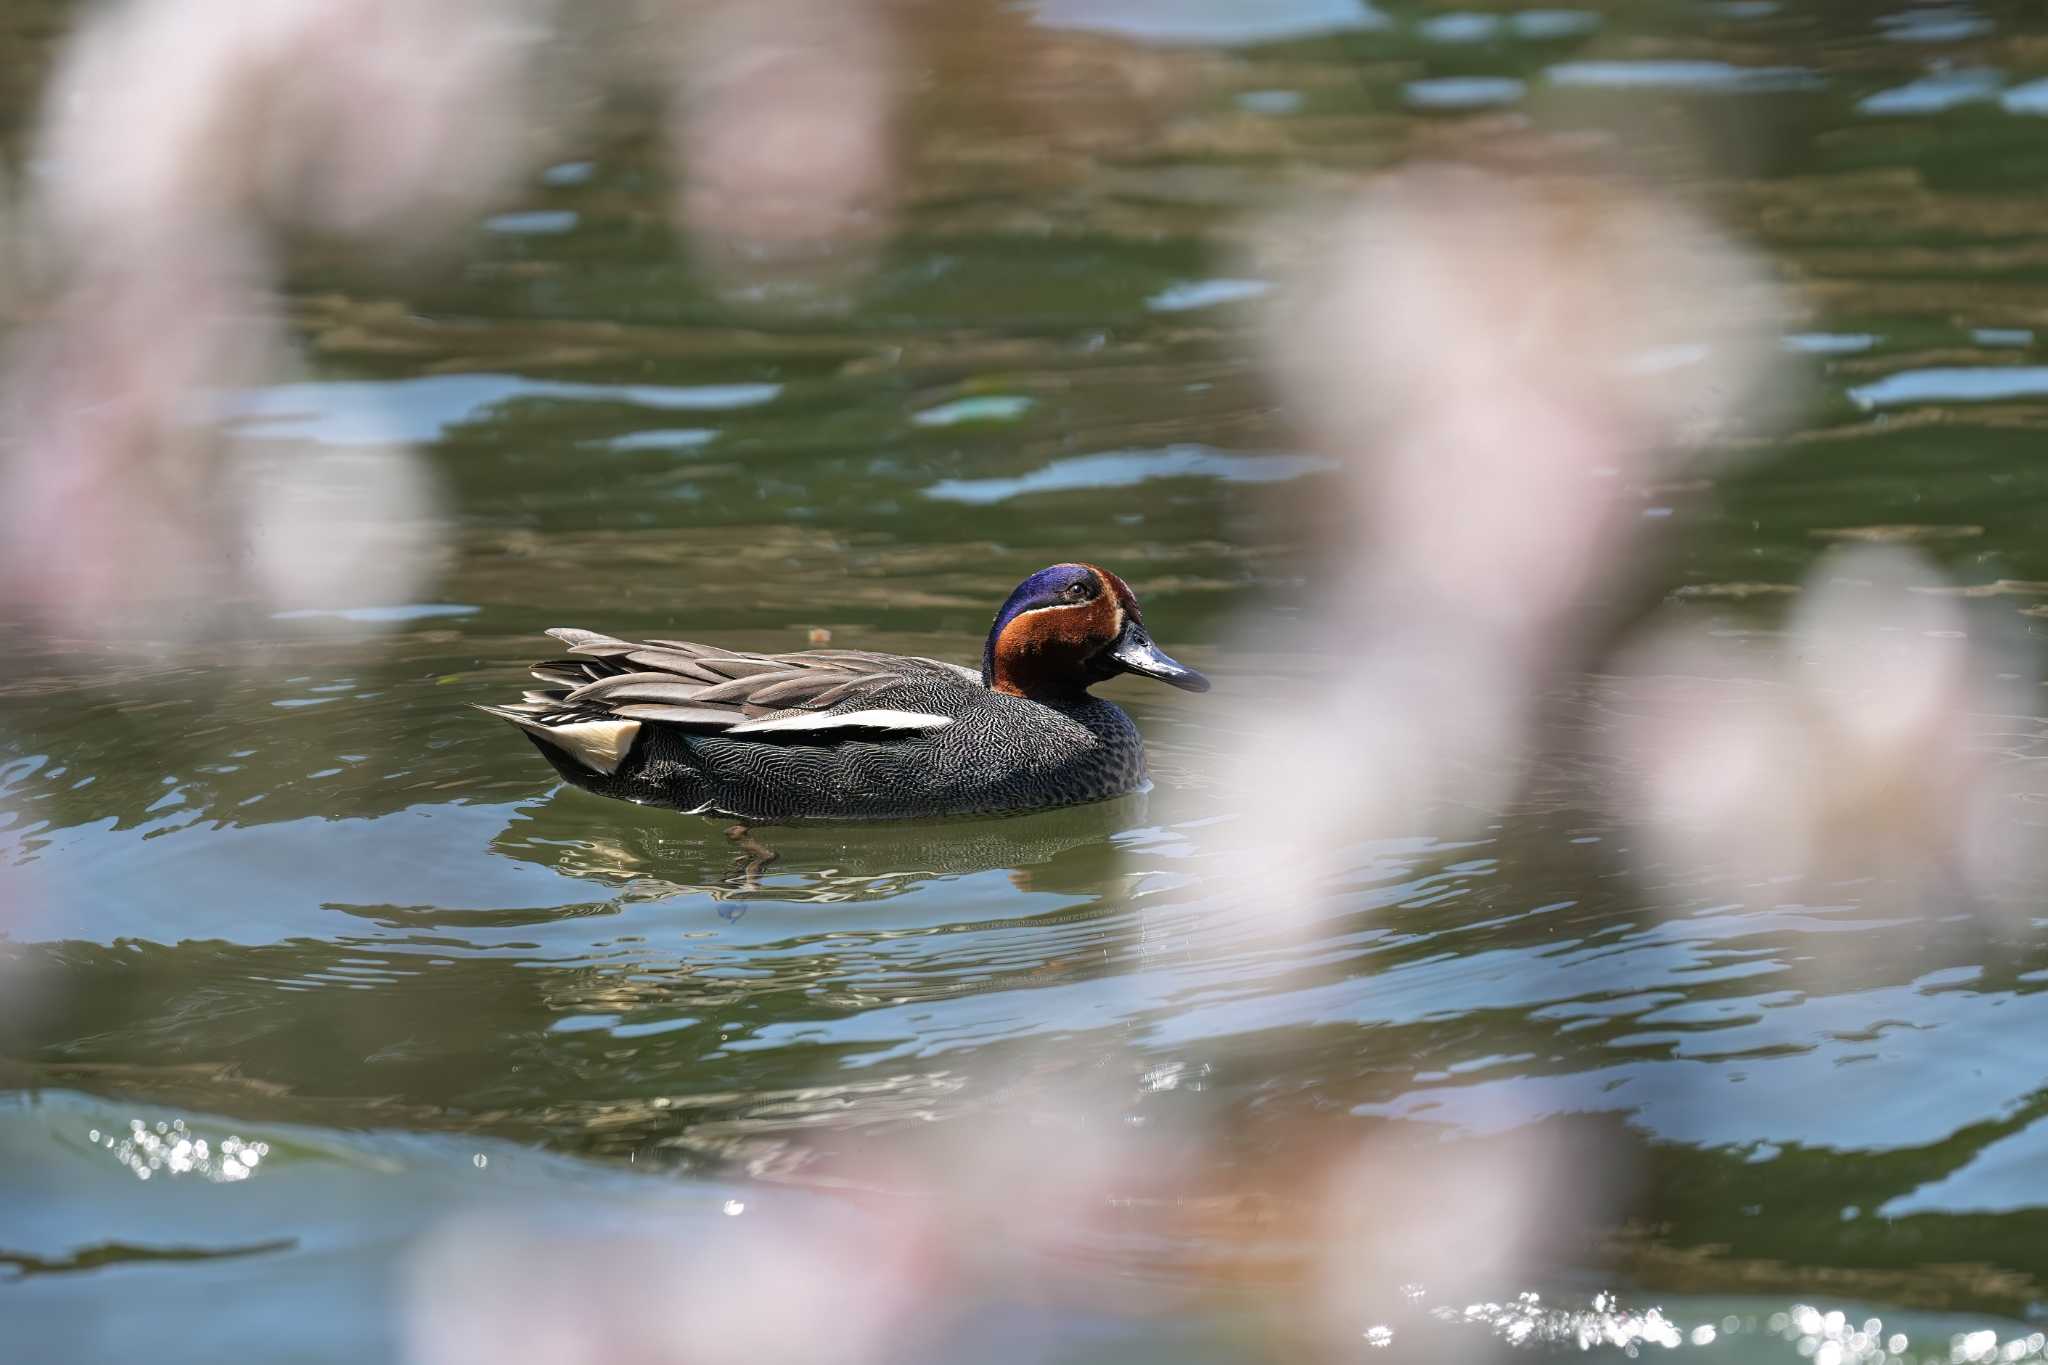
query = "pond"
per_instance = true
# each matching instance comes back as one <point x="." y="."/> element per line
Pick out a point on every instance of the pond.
<point x="336" y="1028"/>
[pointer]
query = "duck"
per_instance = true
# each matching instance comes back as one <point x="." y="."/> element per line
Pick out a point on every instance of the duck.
<point x="852" y="735"/>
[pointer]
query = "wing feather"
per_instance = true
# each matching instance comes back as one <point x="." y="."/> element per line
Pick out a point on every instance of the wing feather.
<point x="593" y="702"/>
<point x="606" y="686"/>
<point x="638" y="688"/>
<point x="673" y="661"/>
<point x="709" y="718"/>
<point x="803" y="690"/>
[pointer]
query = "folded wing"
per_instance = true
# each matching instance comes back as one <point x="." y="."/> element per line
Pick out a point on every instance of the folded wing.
<point x="595" y="701"/>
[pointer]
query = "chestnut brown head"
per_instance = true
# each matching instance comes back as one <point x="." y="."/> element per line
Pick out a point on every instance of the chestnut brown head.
<point x="1069" y="627"/>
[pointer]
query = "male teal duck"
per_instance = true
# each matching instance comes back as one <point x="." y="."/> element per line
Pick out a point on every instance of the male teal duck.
<point x="843" y="734"/>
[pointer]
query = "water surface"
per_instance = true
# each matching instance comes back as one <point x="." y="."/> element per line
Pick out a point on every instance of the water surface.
<point x="293" y="892"/>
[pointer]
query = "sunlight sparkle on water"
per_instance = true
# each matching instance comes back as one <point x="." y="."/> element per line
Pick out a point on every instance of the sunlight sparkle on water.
<point x="1826" y="1337"/>
<point x="1833" y="1338"/>
<point x="170" y="1148"/>
<point x="1524" y="1321"/>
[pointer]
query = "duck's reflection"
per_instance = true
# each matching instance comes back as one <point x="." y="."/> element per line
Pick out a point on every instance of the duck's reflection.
<point x="651" y="854"/>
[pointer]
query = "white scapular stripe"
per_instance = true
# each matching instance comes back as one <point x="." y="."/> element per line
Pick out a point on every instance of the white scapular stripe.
<point x="879" y="719"/>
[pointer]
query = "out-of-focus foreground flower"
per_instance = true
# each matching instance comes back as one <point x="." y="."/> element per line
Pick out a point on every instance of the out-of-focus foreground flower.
<point x="178" y="140"/>
<point x="783" y="125"/>
<point x="1503" y="366"/>
<point x="821" y="1286"/>
<point x="1862" y="748"/>
<point x="391" y="122"/>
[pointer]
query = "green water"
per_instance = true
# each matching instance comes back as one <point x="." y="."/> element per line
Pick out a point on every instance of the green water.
<point x="289" y="889"/>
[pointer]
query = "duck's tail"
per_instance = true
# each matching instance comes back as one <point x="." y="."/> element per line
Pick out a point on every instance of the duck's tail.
<point x="599" y="745"/>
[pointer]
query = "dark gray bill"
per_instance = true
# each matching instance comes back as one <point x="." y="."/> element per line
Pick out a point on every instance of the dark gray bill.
<point x="1134" y="652"/>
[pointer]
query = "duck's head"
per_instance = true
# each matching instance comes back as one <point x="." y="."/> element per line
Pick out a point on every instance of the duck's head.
<point x="1069" y="627"/>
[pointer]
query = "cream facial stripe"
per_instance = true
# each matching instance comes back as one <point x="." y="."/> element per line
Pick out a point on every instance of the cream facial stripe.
<point x="1106" y="584"/>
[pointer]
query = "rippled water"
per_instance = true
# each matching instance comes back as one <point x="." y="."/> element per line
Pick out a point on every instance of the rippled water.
<point x="292" y="899"/>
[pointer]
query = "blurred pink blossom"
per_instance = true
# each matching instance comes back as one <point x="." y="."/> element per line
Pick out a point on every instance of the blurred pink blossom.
<point x="1503" y="365"/>
<point x="171" y="123"/>
<point x="783" y="123"/>
<point x="126" y="507"/>
<point x="745" y="1283"/>
<point x="1408" y="1214"/>
<point x="1853" y="750"/>
<point x="110" y="495"/>
<point x="1027" y="1195"/>
<point x="177" y="139"/>
<point x="1500" y="362"/>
